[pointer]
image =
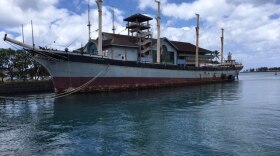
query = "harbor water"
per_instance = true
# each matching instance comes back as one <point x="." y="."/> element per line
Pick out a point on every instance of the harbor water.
<point x="237" y="118"/>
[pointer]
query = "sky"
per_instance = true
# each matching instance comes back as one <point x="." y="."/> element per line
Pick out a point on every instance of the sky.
<point x="252" y="27"/>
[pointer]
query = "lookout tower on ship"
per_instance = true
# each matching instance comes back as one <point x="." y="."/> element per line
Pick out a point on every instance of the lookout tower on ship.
<point x="138" y="26"/>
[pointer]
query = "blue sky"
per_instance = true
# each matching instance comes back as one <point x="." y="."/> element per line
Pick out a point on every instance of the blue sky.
<point x="252" y="27"/>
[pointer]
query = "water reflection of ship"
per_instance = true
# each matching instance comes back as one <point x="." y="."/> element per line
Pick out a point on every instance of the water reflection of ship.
<point x="93" y="106"/>
<point x="140" y="119"/>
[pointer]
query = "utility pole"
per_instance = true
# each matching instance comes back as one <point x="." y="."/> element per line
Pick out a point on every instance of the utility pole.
<point x="222" y="47"/>
<point x="158" y="32"/>
<point x="99" y="5"/>
<point x="197" y="41"/>
<point x="89" y="25"/>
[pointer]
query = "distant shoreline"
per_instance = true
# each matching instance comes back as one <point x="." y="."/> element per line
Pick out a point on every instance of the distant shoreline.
<point x="260" y="72"/>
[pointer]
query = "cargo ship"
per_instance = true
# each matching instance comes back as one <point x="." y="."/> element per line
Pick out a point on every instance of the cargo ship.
<point x="132" y="61"/>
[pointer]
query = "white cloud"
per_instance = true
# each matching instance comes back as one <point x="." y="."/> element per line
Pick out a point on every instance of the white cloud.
<point x="54" y="27"/>
<point x="252" y="27"/>
<point x="143" y="4"/>
<point x="2" y="43"/>
<point x="186" y="28"/>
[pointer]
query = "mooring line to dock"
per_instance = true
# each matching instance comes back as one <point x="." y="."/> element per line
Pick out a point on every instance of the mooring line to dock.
<point x="60" y="95"/>
<point x="80" y="87"/>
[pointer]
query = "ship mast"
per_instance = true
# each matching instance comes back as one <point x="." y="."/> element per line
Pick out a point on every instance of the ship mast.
<point x="113" y="21"/>
<point x="22" y="33"/>
<point x="32" y="35"/>
<point x="197" y="41"/>
<point x="89" y="24"/>
<point x="99" y="5"/>
<point x="158" y="32"/>
<point x="222" y="47"/>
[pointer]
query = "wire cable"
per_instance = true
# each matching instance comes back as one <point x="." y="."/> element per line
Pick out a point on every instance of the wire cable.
<point x="66" y="93"/>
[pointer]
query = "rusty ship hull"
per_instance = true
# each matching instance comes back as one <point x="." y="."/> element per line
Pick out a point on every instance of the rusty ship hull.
<point x="74" y="70"/>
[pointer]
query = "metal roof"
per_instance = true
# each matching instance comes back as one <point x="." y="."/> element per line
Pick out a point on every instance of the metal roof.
<point x="138" y="17"/>
<point x="131" y="41"/>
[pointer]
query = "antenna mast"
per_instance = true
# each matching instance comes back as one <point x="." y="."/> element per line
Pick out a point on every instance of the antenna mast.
<point x="197" y="41"/>
<point x="89" y="24"/>
<point x="158" y="32"/>
<point x="113" y="21"/>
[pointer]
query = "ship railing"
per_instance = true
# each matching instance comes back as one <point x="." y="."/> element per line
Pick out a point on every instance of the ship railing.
<point x="138" y="24"/>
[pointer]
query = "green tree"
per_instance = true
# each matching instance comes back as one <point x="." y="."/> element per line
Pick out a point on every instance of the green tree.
<point x="19" y="64"/>
<point x="10" y="63"/>
<point x="2" y="75"/>
<point x="37" y="71"/>
<point x="4" y="61"/>
<point x="216" y="54"/>
<point x="22" y="62"/>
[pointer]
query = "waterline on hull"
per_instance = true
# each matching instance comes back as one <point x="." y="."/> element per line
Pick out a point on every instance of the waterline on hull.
<point x="62" y="84"/>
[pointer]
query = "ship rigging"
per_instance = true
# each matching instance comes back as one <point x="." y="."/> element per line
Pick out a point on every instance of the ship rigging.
<point x="136" y="60"/>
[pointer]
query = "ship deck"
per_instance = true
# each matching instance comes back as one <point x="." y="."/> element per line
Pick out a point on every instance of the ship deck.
<point x="85" y="58"/>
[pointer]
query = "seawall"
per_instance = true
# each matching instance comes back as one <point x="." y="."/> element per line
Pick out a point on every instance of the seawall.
<point x="26" y="87"/>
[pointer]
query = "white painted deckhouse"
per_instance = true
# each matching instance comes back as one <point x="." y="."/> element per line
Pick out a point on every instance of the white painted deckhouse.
<point x="126" y="47"/>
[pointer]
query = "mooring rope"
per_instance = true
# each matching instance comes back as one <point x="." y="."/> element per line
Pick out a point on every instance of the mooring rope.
<point x="60" y="95"/>
<point x="80" y="87"/>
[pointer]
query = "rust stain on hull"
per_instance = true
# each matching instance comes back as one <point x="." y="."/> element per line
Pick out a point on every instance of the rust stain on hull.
<point x="120" y="84"/>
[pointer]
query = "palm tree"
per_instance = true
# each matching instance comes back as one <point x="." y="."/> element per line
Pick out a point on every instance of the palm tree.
<point x="216" y="55"/>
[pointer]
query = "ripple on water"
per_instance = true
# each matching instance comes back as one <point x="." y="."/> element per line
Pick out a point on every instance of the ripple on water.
<point x="239" y="118"/>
